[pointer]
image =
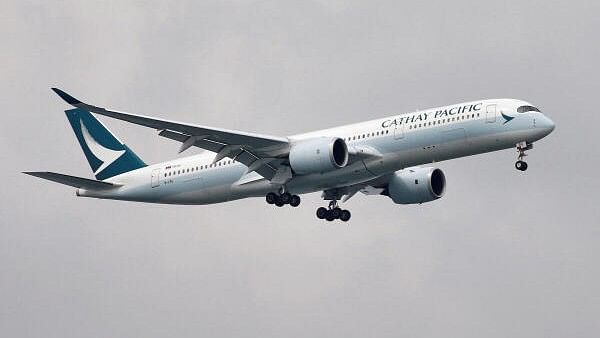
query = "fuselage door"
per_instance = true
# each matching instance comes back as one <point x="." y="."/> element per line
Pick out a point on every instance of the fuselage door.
<point x="155" y="180"/>
<point x="490" y="116"/>
<point x="399" y="131"/>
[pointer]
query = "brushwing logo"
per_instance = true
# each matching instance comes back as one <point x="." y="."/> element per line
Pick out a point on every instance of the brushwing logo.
<point x="107" y="156"/>
<point x="507" y="118"/>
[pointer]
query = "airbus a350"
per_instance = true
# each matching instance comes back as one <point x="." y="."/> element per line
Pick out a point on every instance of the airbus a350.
<point x="393" y="156"/>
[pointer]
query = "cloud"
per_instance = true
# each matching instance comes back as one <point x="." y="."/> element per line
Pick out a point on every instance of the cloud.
<point x="502" y="254"/>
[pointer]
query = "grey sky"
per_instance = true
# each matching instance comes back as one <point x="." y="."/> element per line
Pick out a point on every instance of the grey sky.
<point x="503" y="254"/>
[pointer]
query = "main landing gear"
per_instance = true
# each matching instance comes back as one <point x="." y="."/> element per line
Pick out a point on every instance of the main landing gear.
<point x="521" y="148"/>
<point x="333" y="212"/>
<point x="283" y="199"/>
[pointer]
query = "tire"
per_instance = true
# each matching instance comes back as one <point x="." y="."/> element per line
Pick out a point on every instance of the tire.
<point x="345" y="215"/>
<point x="271" y="198"/>
<point x="336" y="212"/>
<point x="321" y="213"/>
<point x="521" y="165"/>
<point x="286" y="197"/>
<point x="295" y="201"/>
<point x="329" y="216"/>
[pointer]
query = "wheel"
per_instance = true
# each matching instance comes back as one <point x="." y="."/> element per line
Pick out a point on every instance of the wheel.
<point x="286" y="197"/>
<point x="329" y="216"/>
<point x="271" y="198"/>
<point x="345" y="215"/>
<point x="336" y="212"/>
<point x="295" y="201"/>
<point x="321" y="212"/>
<point x="521" y="165"/>
<point x="278" y="201"/>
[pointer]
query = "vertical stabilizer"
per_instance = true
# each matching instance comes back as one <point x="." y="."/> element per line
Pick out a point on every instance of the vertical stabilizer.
<point x="106" y="154"/>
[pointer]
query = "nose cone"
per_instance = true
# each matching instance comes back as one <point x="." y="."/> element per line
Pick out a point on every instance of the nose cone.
<point x="545" y="124"/>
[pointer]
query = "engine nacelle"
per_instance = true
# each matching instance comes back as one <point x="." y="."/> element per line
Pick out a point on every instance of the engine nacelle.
<point x="318" y="155"/>
<point x="416" y="185"/>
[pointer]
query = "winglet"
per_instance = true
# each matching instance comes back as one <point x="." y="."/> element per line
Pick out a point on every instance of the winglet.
<point x="68" y="98"/>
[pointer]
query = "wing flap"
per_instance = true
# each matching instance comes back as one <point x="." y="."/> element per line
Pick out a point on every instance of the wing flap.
<point x="266" y="167"/>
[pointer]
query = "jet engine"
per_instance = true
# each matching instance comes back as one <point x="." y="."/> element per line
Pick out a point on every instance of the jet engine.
<point x="318" y="155"/>
<point x="416" y="185"/>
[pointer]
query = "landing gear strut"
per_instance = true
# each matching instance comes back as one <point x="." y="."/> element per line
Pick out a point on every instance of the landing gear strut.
<point x="521" y="148"/>
<point x="283" y="199"/>
<point x="333" y="212"/>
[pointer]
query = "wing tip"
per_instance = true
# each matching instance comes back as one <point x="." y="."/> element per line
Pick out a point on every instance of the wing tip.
<point x="68" y="98"/>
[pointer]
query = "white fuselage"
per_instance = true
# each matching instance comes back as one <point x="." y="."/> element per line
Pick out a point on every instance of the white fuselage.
<point x="399" y="141"/>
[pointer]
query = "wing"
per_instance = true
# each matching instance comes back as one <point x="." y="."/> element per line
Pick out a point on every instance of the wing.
<point x="261" y="153"/>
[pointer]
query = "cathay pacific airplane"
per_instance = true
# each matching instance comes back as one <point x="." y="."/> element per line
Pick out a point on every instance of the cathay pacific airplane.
<point x="393" y="156"/>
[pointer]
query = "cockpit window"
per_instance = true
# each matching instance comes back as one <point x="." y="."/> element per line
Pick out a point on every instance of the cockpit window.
<point x="525" y="109"/>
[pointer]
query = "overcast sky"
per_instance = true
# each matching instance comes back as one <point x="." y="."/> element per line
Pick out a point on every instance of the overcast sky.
<point x="503" y="254"/>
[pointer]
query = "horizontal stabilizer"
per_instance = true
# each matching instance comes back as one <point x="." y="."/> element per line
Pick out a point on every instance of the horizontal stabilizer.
<point x="77" y="182"/>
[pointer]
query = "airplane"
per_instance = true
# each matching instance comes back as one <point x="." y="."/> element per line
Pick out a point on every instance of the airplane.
<point x="392" y="156"/>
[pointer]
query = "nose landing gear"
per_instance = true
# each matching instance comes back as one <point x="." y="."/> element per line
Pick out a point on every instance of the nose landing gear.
<point x="521" y="165"/>
<point x="333" y="212"/>
<point x="521" y="148"/>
